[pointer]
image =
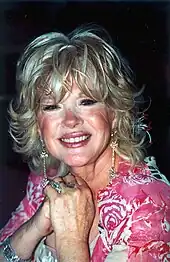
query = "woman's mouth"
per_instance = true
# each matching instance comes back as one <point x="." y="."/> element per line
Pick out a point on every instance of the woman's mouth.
<point x="75" y="141"/>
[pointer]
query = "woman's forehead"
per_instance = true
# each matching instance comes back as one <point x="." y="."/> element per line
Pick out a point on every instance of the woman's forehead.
<point x="52" y="94"/>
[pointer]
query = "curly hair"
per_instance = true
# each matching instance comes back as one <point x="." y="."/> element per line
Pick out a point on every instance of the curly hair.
<point x="89" y="56"/>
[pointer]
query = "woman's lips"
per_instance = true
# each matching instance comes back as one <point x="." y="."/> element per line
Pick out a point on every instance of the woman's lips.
<point x="74" y="141"/>
<point x="74" y="134"/>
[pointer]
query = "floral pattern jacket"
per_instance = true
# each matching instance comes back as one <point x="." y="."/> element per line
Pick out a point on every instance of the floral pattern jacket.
<point x="134" y="214"/>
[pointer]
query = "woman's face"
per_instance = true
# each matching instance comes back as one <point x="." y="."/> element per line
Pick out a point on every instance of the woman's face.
<point x="77" y="130"/>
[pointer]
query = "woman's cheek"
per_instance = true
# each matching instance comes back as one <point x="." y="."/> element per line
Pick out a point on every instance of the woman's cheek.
<point x="99" y="119"/>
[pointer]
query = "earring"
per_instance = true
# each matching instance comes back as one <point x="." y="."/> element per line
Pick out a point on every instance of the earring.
<point x="44" y="156"/>
<point x="113" y="145"/>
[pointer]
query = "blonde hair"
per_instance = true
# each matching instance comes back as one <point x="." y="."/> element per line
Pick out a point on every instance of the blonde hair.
<point x="88" y="55"/>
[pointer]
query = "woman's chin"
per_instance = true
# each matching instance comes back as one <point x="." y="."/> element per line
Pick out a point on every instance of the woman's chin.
<point x="73" y="163"/>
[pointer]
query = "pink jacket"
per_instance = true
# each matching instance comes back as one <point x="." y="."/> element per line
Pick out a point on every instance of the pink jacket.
<point x="134" y="213"/>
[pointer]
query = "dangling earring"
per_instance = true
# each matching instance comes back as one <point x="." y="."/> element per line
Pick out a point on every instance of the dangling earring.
<point x="44" y="156"/>
<point x="113" y="145"/>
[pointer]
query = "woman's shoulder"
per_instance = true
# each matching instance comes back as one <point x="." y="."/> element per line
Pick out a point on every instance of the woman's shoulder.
<point x="145" y="179"/>
<point x="144" y="173"/>
<point x="140" y="182"/>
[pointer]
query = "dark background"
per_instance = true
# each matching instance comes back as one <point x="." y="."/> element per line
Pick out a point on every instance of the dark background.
<point x="141" y="30"/>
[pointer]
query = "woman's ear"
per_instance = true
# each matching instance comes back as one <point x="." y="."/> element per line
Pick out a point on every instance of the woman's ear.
<point x="38" y="130"/>
<point x="113" y="124"/>
<point x="114" y="120"/>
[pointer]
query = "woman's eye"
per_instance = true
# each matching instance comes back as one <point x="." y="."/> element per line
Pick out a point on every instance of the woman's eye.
<point x="50" y="107"/>
<point x="88" y="102"/>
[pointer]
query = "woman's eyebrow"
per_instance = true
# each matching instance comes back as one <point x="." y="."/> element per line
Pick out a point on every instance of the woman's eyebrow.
<point x="47" y="99"/>
<point x="80" y="94"/>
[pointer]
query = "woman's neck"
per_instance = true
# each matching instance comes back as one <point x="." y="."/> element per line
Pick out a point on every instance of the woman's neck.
<point x="96" y="174"/>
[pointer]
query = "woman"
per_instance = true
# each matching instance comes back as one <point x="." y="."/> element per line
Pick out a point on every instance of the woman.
<point x="76" y="118"/>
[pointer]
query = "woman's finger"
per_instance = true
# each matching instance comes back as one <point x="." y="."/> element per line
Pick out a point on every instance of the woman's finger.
<point x="50" y="192"/>
<point x="70" y="180"/>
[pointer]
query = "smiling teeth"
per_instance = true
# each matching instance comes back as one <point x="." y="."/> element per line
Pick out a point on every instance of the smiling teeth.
<point x="75" y="139"/>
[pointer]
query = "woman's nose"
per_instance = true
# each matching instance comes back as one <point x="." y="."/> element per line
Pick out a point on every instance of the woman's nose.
<point x="71" y="119"/>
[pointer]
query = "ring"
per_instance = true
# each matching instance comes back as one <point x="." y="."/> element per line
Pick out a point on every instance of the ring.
<point x="56" y="186"/>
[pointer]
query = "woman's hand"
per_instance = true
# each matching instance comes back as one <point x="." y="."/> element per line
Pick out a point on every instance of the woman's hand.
<point x="72" y="213"/>
<point x="41" y="220"/>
